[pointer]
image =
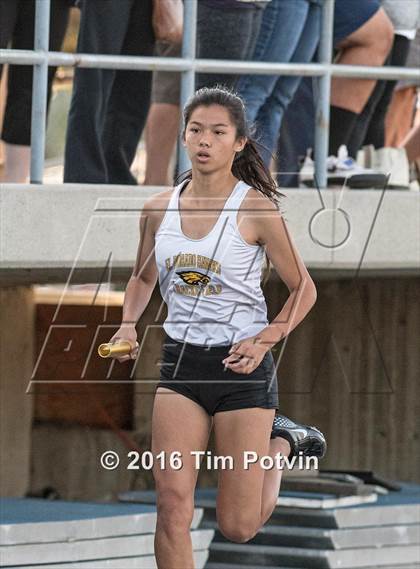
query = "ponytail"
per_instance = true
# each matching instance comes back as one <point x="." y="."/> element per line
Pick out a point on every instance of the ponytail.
<point x="250" y="167"/>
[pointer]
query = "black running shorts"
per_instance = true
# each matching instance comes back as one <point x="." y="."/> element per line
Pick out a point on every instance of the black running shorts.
<point x="198" y="373"/>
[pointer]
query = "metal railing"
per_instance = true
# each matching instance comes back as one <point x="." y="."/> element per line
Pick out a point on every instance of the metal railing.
<point x="188" y="65"/>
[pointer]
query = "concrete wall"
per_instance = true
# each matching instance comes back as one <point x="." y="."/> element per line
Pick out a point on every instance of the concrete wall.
<point x="71" y="232"/>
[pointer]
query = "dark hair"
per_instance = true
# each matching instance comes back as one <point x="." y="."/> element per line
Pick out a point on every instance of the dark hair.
<point x="248" y="164"/>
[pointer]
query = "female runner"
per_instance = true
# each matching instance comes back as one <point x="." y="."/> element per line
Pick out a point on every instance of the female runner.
<point x="205" y="241"/>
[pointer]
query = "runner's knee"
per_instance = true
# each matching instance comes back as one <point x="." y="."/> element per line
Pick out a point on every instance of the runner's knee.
<point x="239" y="528"/>
<point x="175" y="510"/>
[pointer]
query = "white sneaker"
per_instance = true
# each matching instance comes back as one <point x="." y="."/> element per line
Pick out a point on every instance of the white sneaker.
<point x="307" y="171"/>
<point x="345" y="163"/>
<point x="343" y="169"/>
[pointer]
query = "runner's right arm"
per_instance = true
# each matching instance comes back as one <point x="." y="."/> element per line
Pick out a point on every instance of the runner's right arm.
<point x="144" y="276"/>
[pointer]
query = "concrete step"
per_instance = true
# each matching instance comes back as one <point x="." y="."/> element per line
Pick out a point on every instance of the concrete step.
<point x="330" y="484"/>
<point x="394" y="508"/>
<point x="351" y="517"/>
<point x="216" y="565"/>
<point x="20" y="520"/>
<point x="66" y="534"/>
<point x="32" y="520"/>
<point x="206" y="498"/>
<point x="318" y="538"/>
<point x="143" y="562"/>
<point x="87" y="549"/>
<point x="266" y="556"/>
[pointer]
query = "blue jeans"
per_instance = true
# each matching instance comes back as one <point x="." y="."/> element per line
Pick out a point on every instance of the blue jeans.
<point x="296" y="133"/>
<point x="289" y="32"/>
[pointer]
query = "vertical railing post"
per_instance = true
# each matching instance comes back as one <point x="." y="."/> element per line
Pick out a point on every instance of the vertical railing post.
<point x="188" y="77"/>
<point x="322" y="110"/>
<point x="39" y="91"/>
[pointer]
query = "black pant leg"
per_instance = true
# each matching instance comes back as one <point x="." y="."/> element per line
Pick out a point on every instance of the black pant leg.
<point x="130" y="99"/>
<point x="358" y="133"/>
<point x="8" y="15"/>
<point x="103" y="27"/>
<point x="17" y="115"/>
<point x="223" y="34"/>
<point x="370" y="126"/>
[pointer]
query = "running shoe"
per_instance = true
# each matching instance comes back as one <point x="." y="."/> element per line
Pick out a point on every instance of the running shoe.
<point x="303" y="439"/>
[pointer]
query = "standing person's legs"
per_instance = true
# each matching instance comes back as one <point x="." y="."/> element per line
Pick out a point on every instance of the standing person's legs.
<point x="8" y="16"/>
<point x="354" y="20"/>
<point x="399" y="116"/>
<point x="16" y="131"/>
<point x="369" y="44"/>
<point x="161" y="136"/>
<point x="281" y="29"/>
<point x="130" y="98"/>
<point x="256" y="23"/>
<point x="361" y="125"/>
<point x="175" y="488"/>
<point x="411" y="143"/>
<point x="376" y="129"/>
<point x="163" y="121"/>
<point x="235" y="43"/>
<point x="296" y="134"/>
<point x="370" y="124"/>
<point x="103" y="25"/>
<point x="224" y="34"/>
<point x="271" y="114"/>
<point x="16" y="156"/>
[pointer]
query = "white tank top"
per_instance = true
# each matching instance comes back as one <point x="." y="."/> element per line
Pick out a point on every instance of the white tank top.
<point x="210" y="285"/>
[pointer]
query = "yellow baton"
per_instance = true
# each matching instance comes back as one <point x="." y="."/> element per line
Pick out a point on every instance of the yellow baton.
<point x="114" y="350"/>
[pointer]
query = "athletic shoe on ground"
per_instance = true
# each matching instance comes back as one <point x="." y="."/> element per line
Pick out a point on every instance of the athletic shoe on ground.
<point x="343" y="169"/>
<point x="309" y="441"/>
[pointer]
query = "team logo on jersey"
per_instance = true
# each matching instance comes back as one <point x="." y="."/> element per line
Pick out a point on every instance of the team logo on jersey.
<point x="194" y="278"/>
<point x="195" y="283"/>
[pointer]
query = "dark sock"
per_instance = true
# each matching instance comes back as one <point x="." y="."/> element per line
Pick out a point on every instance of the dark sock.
<point x="341" y="126"/>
